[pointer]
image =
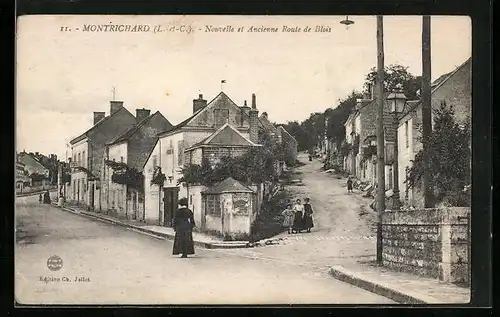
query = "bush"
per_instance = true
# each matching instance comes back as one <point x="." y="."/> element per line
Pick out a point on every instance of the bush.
<point x="269" y="222"/>
<point x="449" y="160"/>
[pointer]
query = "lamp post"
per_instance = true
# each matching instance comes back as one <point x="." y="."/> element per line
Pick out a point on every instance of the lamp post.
<point x="380" y="199"/>
<point x="397" y="102"/>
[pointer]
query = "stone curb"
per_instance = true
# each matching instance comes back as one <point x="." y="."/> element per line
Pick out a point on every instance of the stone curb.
<point x="341" y="274"/>
<point x="167" y="236"/>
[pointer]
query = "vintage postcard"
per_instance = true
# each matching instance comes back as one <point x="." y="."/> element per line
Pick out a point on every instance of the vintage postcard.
<point x="198" y="160"/>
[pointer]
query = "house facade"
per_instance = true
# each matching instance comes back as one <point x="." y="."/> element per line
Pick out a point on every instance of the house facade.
<point x="187" y="143"/>
<point x="22" y="178"/>
<point x="361" y="140"/>
<point x="131" y="149"/>
<point x="88" y="149"/>
<point x="454" y="88"/>
<point x="37" y="173"/>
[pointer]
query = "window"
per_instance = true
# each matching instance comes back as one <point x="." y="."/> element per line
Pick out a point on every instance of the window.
<point x="83" y="159"/>
<point x="79" y="159"/>
<point x="406" y="135"/>
<point x="121" y="159"/>
<point x="213" y="205"/>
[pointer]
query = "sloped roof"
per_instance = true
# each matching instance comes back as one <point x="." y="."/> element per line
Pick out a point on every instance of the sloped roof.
<point x="224" y="136"/>
<point x="98" y="124"/>
<point x="31" y="160"/>
<point x="266" y="123"/>
<point x="229" y="185"/>
<point x="219" y="99"/>
<point x="130" y="132"/>
<point x="282" y="129"/>
<point x="441" y="80"/>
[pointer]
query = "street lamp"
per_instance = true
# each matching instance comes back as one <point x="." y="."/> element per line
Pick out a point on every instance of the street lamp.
<point x="346" y="22"/>
<point x="397" y="101"/>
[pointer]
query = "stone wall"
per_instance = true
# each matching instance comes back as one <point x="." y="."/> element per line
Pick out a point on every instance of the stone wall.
<point x="428" y="242"/>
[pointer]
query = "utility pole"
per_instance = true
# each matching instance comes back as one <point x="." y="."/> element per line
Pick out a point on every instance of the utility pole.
<point x="426" y="108"/>
<point x="380" y="200"/>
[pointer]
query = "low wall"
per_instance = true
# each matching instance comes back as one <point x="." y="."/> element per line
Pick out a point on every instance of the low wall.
<point x="428" y="242"/>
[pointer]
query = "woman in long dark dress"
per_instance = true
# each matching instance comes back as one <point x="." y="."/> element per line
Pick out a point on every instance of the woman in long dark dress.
<point x="46" y="197"/>
<point x="183" y="226"/>
<point x="298" y="223"/>
<point x="308" y="212"/>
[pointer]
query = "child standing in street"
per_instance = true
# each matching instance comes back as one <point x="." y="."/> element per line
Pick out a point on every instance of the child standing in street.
<point x="289" y="215"/>
<point x="349" y="185"/>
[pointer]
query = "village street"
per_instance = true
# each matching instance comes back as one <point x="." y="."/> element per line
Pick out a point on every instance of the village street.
<point x="119" y="266"/>
<point x="344" y="225"/>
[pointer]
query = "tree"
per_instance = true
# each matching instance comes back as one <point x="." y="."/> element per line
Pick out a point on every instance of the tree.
<point x="449" y="159"/>
<point x="339" y="115"/>
<point x="395" y="76"/>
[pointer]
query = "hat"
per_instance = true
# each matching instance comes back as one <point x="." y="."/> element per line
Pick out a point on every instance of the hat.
<point x="183" y="201"/>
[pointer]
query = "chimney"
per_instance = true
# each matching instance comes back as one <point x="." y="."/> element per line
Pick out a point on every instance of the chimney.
<point x="254" y="121"/>
<point x="142" y="114"/>
<point x="199" y="103"/>
<point x="245" y="109"/>
<point x="98" y="115"/>
<point x="115" y="106"/>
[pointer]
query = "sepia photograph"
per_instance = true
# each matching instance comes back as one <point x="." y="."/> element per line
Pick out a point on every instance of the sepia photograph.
<point x="243" y="160"/>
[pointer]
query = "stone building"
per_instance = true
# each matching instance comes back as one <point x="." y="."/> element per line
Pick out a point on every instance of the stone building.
<point x="209" y="119"/>
<point x="289" y="145"/>
<point x="88" y="149"/>
<point x="454" y="88"/>
<point x="132" y="148"/>
<point x="361" y="140"/>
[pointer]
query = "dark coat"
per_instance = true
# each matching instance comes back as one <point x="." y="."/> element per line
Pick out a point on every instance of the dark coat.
<point x="183" y="226"/>
<point x="46" y="198"/>
<point x="308" y="220"/>
<point x="349" y="185"/>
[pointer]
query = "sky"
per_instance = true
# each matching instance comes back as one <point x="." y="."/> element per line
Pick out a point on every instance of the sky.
<point x="62" y="76"/>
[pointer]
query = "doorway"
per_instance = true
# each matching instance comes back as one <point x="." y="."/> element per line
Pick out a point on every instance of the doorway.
<point x="134" y="205"/>
<point x="91" y="203"/>
<point x="170" y="200"/>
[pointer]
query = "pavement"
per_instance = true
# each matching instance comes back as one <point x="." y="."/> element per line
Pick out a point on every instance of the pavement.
<point x="400" y="287"/>
<point x="102" y="263"/>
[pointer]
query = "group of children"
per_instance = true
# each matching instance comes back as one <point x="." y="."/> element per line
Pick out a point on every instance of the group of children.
<point x="298" y="217"/>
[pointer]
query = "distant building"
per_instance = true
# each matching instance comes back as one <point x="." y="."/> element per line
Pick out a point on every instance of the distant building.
<point x="38" y="174"/>
<point x="22" y="178"/>
<point x="289" y="145"/>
